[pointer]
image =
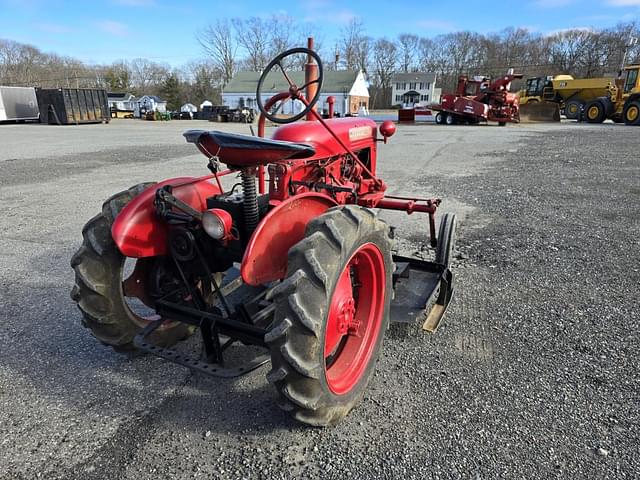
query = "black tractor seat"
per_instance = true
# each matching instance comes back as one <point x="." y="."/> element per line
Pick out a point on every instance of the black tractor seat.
<point x="245" y="150"/>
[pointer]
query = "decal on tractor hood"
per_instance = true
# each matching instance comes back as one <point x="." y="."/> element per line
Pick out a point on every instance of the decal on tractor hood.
<point x="357" y="133"/>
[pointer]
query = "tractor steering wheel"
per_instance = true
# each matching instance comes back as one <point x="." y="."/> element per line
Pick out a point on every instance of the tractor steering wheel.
<point x="295" y="92"/>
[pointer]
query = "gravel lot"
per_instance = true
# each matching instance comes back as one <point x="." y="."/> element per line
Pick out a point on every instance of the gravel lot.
<point x="534" y="373"/>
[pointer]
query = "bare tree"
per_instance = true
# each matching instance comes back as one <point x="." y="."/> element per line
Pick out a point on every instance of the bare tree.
<point x="385" y="56"/>
<point x="146" y="74"/>
<point x="408" y="51"/>
<point x="568" y="49"/>
<point x="284" y="35"/>
<point x="582" y="53"/>
<point x="218" y="43"/>
<point x="205" y="81"/>
<point x="351" y="43"/>
<point x="253" y="35"/>
<point x="117" y="76"/>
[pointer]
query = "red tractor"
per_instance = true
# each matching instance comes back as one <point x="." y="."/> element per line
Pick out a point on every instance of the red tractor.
<point x="302" y="275"/>
<point x="480" y="100"/>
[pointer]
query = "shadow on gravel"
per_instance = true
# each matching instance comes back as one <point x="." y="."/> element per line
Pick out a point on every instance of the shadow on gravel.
<point x="46" y="347"/>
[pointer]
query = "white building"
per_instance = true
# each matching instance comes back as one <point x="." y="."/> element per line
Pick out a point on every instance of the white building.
<point x="189" y="107"/>
<point x="121" y="101"/>
<point x="348" y="87"/>
<point x="149" y="103"/>
<point x="414" y="89"/>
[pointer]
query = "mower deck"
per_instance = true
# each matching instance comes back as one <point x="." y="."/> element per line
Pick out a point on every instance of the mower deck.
<point x="423" y="291"/>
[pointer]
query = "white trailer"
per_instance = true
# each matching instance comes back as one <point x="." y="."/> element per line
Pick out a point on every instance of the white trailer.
<point x="18" y="103"/>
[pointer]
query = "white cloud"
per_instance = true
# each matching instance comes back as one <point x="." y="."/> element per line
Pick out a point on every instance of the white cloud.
<point x="53" y="28"/>
<point x="315" y="4"/>
<point x="624" y="3"/>
<point x="341" y="17"/>
<point x="135" y="3"/>
<point x="116" y="29"/>
<point x="553" y="3"/>
<point x="570" y="29"/>
<point x="345" y="16"/>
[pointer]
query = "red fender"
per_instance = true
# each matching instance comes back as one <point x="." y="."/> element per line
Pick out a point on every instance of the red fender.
<point x="265" y="258"/>
<point x="138" y="232"/>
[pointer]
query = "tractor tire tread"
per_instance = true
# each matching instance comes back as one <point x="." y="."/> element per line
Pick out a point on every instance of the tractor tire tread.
<point x="97" y="290"/>
<point x="446" y="239"/>
<point x="302" y="299"/>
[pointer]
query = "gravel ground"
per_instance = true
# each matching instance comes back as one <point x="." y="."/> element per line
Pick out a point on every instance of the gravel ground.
<point x="534" y="372"/>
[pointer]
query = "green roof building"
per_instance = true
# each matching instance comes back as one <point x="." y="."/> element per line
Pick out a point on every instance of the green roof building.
<point x="348" y="87"/>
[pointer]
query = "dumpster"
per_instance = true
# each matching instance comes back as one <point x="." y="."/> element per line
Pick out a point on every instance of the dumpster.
<point x="72" y="106"/>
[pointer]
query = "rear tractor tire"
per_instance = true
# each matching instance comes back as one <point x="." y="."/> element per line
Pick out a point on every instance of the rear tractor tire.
<point x="631" y="113"/>
<point x="332" y="311"/>
<point x="450" y="119"/>
<point x="98" y="289"/>
<point x="439" y="118"/>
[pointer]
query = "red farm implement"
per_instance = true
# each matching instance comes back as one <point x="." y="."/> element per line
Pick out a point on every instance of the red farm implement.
<point x="297" y="270"/>
<point x="480" y="100"/>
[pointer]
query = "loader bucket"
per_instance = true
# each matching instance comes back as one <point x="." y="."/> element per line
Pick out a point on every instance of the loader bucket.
<point x="539" y="112"/>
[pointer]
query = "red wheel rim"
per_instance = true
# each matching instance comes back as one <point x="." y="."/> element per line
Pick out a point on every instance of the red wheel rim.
<point x="354" y="319"/>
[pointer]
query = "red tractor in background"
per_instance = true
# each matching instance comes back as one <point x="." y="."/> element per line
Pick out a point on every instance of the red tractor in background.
<point x="479" y="100"/>
<point x="302" y="275"/>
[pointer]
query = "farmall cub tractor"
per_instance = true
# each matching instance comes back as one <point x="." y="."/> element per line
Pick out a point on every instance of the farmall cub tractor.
<point x="302" y="275"/>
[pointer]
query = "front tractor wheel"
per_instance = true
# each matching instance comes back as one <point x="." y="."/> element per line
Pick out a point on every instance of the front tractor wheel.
<point x="332" y="311"/>
<point x="104" y="295"/>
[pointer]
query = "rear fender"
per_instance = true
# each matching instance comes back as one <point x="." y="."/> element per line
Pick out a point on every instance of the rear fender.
<point x="265" y="258"/>
<point x="138" y="232"/>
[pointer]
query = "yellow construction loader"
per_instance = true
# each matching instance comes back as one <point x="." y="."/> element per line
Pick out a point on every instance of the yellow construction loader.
<point x="590" y="99"/>
<point x="533" y="106"/>
<point x="622" y="104"/>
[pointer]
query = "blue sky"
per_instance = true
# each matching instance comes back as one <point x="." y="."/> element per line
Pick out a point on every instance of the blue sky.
<point x="102" y="31"/>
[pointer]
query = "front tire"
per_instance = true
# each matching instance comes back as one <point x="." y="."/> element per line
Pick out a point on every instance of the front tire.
<point x="631" y="114"/>
<point x="98" y="289"/>
<point x="332" y="311"/>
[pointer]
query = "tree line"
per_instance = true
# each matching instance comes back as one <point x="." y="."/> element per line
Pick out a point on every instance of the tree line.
<point x="231" y="45"/>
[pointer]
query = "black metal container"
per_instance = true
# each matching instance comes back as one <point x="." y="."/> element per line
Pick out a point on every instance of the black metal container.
<point x="72" y="106"/>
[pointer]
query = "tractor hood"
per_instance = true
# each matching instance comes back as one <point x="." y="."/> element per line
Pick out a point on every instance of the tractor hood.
<point x="356" y="133"/>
